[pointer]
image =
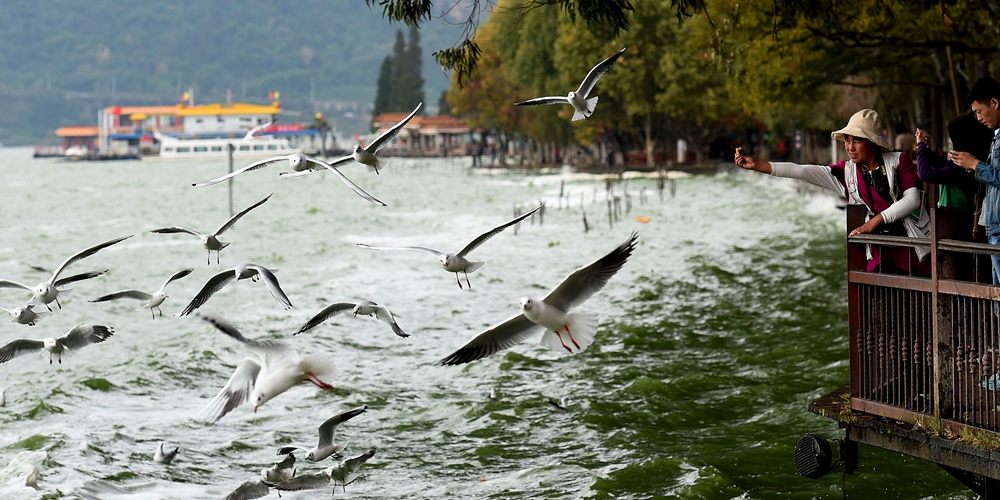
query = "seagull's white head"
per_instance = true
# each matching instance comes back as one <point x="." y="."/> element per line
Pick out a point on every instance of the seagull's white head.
<point x="527" y="304"/>
<point x="445" y="260"/>
<point x="49" y="343"/>
<point x="357" y="147"/>
<point x="311" y="456"/>
<point x="294" y="161"/>
<point x="571" y="95"/>
<point x="357" y="310"/>
<point x="259" y="399"/>
<point x="43" y="290"/>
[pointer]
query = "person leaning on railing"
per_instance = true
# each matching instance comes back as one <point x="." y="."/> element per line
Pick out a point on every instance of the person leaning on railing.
<point x="984" y="97"/>
<point x="885" y="182"/>
<point x="957" y="187"/>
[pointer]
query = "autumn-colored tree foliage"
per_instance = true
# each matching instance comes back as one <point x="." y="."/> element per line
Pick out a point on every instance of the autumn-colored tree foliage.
<point x="699" y="68"/>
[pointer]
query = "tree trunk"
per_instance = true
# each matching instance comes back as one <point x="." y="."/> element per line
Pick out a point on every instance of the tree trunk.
<point x="650" y="143"/>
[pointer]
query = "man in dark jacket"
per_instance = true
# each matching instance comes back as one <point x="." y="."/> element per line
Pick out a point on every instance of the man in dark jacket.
<point x="984" y="97"/>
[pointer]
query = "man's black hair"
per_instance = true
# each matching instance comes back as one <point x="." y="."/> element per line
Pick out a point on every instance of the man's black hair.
<point x="983" y="90"/>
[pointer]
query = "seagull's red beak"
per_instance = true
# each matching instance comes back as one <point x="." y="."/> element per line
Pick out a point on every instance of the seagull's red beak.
<point x="255" y="409"/>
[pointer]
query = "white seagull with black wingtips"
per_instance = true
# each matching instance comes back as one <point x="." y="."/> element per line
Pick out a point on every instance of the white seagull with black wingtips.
<point x="79" y="337"/>
<point x="366" y="308"/>
<point x="572" y="333"/>
<point x="366" y="155"/>
<point x="48" y="291"/>
<point x="456" y="262"/>
<point x="211" y="240"/>
<point x="341" y="474"/>
<point x="582" y="106"/>
<point x="240" y="272"/>
<point x="153" y="300"/>
<point x="326" y="446"/>
<point x="301" y="164"/>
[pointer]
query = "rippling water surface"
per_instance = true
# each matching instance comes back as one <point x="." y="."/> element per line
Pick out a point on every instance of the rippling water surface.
<point x="727" y="321"/>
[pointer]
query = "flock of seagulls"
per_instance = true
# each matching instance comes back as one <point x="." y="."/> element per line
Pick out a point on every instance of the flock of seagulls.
<point x="274" y="366"/>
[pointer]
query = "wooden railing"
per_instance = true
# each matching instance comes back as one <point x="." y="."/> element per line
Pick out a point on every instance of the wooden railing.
<point x="926" y="347"/>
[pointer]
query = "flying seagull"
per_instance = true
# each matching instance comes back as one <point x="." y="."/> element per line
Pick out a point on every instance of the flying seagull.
<point x="25" y="315"/>
<point x="366" y="155"/>
<point x="48" y="291"/>
<point x="341" y="474"/>
<point x="75" y="339"/>
<point x="164" y="456"/>
<point x="240" y="272"/>
<point x="326" y="447"/>
<point x="301" y="164"/>
<point x="582" y="106"/>
<point x="153" y="300"/>
<point x="456" y="262"/>
<point x="563" y="331"/>
<point x="277" y="368"/>
<point x="211" y="241"/>
<point x="366" y="308"/>
<point x="282" y="470"/>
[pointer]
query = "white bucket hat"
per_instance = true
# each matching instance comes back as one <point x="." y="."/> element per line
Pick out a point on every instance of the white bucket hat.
<point x="864" y="124"/>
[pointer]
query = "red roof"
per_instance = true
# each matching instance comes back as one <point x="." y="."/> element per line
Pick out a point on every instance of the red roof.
<point x="425" y="124"/>
<point x="77" y="131"/>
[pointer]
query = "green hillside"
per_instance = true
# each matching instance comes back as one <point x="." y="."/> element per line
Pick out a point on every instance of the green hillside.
<point x="62" y="60"/>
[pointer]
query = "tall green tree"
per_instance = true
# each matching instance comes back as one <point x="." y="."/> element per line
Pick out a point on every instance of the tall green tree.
<point x="413" y="76"/>
<point x="398" y="90"/>
<point x="383" y="87"/>
<point x="400" y="81"/>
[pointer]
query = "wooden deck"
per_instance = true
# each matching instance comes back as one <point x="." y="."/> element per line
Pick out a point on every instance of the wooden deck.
<point x="953" y="453"/>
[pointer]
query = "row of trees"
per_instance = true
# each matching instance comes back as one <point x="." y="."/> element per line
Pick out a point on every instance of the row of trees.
<point x="400" y="85"/>
<point x="696" y="68"/>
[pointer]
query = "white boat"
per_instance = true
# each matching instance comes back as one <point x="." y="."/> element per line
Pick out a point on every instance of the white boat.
<point x="249" y="146"/>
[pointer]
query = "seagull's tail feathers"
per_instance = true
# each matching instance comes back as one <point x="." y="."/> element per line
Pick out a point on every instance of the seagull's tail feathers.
<point x="591" y="106"/>
<point x="318" y="364"/>
<point x="473" y="267"/>
<point x="582" y="329"/>
<point x="379" y="165"/>
<point x="41" y="315"/>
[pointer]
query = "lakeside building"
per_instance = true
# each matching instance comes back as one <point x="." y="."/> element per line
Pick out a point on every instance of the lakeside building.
<point x="424" y="135"/>
<point x="140" y="131"/>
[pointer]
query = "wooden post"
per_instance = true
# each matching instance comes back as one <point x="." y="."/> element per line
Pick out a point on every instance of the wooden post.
<point x="856" y="261"/>
<point x="231" y="148"/>
<point x="942" y="267"/>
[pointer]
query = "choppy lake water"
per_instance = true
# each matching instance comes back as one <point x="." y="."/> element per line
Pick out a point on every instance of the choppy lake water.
<point x="726" y="322"/>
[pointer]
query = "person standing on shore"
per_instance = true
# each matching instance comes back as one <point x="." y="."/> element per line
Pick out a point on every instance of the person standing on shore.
<point x="984" y="97"/>
<point x="884" y="182"/>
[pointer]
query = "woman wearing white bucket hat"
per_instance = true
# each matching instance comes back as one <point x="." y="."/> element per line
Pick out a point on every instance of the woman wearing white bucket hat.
<point x="883" y="181"/>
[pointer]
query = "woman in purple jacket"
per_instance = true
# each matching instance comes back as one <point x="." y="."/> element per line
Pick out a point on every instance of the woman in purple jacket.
<point x="885" y="182"/>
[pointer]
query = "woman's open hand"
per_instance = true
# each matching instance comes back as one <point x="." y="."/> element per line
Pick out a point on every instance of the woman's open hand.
<point x="869" y="226"/>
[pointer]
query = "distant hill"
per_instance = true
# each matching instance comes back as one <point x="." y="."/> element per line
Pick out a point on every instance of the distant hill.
<point x="61" y="61"/>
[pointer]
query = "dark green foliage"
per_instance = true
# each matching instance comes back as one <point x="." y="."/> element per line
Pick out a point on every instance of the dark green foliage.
<point x="400" y="85"/>
<point x="383" y="86"/>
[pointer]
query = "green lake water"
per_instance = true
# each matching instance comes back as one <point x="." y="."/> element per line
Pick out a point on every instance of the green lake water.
<point x="727" y="321"/>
